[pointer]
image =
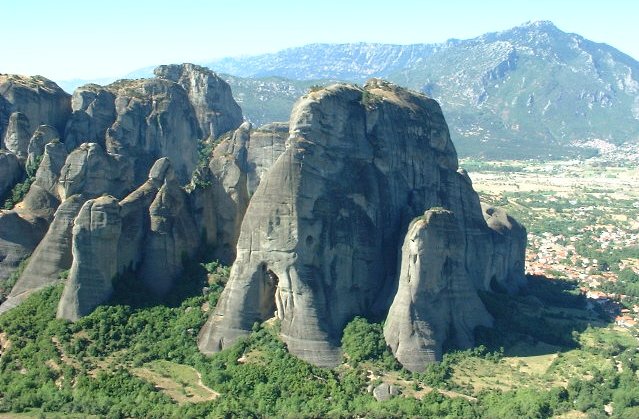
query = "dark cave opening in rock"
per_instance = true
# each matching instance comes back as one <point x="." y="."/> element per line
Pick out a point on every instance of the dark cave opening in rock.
<point x="268" y="287"/>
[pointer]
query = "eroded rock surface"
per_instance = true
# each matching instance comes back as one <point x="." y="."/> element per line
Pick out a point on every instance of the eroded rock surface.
<point x="215" y="109"/>
<point x="39" y="100"/>
<point x="51" y="256"/>
<point x="436" y="301"/>
<point x="10" y="172"/>
<point x="319" y="241"/>
<point x="96" y="231"/>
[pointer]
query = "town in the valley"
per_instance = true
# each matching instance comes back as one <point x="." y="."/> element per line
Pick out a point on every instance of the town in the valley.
<point x="582" y="218"/>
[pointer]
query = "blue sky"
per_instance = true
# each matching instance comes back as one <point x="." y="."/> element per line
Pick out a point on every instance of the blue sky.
<point x="67" y="39"/>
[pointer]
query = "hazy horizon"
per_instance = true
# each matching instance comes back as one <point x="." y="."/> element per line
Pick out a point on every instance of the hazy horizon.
<point x="82" y="40"/>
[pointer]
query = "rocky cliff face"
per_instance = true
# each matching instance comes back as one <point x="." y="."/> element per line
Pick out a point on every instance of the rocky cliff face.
<point x="10" y="171"/>
<point x="96" y="231"/>
<point x="28" y="102"/>
<point x="323" y="217"/>
<point x="113" y="135"/>
<point x="319" y="241"/>
<point x="215" y="109"/>
<point x="436" y="301"/>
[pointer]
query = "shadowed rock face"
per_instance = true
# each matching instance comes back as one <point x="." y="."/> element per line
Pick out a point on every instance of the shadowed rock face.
<point x="238" y="164"/>
<point x="509" y="256"/>
<point x="211" y="97"/>
<point x="320" y="238"/>
<point x="172" y="236"/>
<point x="435" y="300"/>
<point x="111" y="140"/>
<point x="51" y="256"/>
<point x="10" y="172"/>
<point x="147" y="119"/>
<point x="38" y="100"/>
<point x="96" y="231"/>
<point x="148" y="232"/>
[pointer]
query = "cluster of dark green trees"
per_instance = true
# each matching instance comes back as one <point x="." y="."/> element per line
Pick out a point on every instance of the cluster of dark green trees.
<point x="85" y="367"/>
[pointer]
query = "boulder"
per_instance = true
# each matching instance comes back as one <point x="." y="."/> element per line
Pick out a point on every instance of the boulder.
<point x="96" y="231"/>
<point x="385" y="391"/>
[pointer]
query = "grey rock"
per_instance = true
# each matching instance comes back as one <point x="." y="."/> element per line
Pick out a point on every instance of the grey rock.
<point x="238" y="165"/>
<point x="265" y="145"/>
<point x="41" y="101"/>
<point x="53" y="160"/>
<point x="435" y="300"/>
<point x="10" y="172"/>
<point x="385" y="392"/>
<point x="51" y="256"/>
<point x="205" y="209"/>
<point x="17" y="135"/>
<point x="40" y="138"/>
<point x="229" y="168"/>
<point x="96" y="232"/>
<point x="136" y="221"/>
<point x="211" y="97"/>
<point x="319" y="241"/>
<point x="314" y="243"/>
<point x="154" y="119"/>
<point x="93" y="113"/>
<point x="509" y="250"/>
<point x="172" y="237"/>
<point x="89" y="169"/>
<point x="44" y="195"/>
<point x="18" y="238"/>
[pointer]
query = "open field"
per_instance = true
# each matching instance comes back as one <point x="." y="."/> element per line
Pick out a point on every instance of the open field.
<point x="180" y="382"/>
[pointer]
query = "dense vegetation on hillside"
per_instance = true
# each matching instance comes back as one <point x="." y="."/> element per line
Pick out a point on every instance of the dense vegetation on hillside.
<point x="101" y="365"/>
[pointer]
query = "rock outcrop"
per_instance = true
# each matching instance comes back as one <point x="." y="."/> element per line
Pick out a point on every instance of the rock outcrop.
<point x="51" y="257"/>
<point x="314" y="213"/>
<point x="436" y="301"/>
<point x="237" y="165"/>
<point x="96" y="231"/>
<point x="19" y="237"/>
<point x="10" y="172"/>
<point x="149" y="233"/>
<point x="264" y="147"/>
<point x="215" y="109"/>
<point x="93" y="113"/>
<point x="319" y="241"/>
<point x="509" y="255"/>
<point x="17" y="135"/>
<point x="113" y="135"/>
<point x="172" y="238"/>
<point x="37" y="100"/>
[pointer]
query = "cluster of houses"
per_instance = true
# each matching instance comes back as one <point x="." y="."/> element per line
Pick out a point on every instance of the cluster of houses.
<point x="555" y="256"/>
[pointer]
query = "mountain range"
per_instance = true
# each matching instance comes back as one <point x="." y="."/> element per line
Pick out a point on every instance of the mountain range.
<point x="532" y="91"/>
